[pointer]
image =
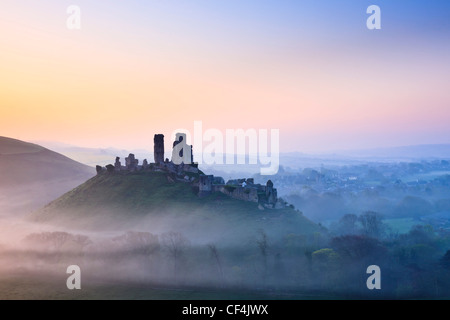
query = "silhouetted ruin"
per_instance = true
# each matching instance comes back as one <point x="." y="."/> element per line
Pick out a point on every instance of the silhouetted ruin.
<point x="242" y="189"/>
<point x="158" y="149"/>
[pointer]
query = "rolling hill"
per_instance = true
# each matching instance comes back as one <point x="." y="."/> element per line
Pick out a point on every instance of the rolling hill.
<point x="31" y="176"/>
<point x="151" y="201"/>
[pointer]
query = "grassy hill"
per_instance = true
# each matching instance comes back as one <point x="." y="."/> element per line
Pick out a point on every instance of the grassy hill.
<point x="32" y="175"/>
<point x="24" y="163"/>
<point x="152" y="201"/>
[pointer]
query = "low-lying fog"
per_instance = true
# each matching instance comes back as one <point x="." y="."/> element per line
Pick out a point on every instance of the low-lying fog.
<point x="158" y="255"/>
<point x="332" y="262"/>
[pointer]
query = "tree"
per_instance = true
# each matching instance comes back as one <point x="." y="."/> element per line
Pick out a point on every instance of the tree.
<point x="421" y="234"/>
<point x="324" y="258"/>
<point x="50" y="240"/>
<point x="413" y="207"/>
<point x="143" y="243"/>
<point x="216" y="257"/>
<point x="355" y="247"/>
<point x="263" y="246"/>
<point x="81" y="241"/>
<point x="347" y="224"/>
<point x="326" y="266"/>
<point x="175" y="244"/>
<point x="445" y="260"/>
<point x="59" y="244"/>
<point x="372" y="225"/>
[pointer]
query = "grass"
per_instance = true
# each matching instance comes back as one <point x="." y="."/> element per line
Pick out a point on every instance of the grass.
<point x="425" y="176"/>
<point x="136" y="192"/>
<point x="29" y="286"/>
<point x="155" y="195"/>
<point x="10" y="146"/>
<point x="401" y="225"/>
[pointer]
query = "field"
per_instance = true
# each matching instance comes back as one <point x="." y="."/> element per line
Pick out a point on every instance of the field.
<point x="428" y="176"/>
<point x="401" y="225"/>
<point x="27" y="286"/>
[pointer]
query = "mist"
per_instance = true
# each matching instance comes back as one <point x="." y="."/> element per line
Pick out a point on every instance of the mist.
<point x="139" y="260"/>
<point x="144" y="236"/>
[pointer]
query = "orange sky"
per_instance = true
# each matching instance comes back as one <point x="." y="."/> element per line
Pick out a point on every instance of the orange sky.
<point x="119" y="80"/>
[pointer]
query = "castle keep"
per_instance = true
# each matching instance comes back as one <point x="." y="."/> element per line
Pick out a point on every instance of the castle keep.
<point x="242" y="189"/>
<point x="158" y="148"/>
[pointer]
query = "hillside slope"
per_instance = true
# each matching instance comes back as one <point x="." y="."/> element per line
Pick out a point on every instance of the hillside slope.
<point x="153" y="202"/>
<point x="31" y="175"/>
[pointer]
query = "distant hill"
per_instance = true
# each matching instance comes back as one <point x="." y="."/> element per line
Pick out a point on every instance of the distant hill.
<point x="336" y="158"/>
<point x="95" y="156"/>
<point x="31" y="175"/>
<point x="288" y="160"/>
<point x="412" y="153"/>
<point x="153" y="201"/>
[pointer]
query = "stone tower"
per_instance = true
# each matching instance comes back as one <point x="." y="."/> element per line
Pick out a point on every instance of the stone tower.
<point x="131" y="162"/>
<point x="117" y="164"/>
<point x="205" y="185"/>
<point x="158" y="148"/>
<point x="271" y="193"/>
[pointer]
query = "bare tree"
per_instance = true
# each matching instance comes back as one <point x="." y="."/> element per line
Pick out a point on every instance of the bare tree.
<point x="57" y="245"/>
<point x="372" y="224"/>
<point x="347" y="224"/>
<point x="215" y="255"/>
<point x="50" y="240"/>
<point x="81" y="241"/>
<point x="175" y="244"/>
<point x="141" y="243"/>
<point x="263" y="246"/>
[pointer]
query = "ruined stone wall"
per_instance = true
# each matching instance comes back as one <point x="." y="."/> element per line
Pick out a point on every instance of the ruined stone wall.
<point x="240" y="193"/>
<point x="205" y="185"/>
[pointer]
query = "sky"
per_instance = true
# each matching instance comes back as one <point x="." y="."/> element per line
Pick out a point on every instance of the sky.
<point x="311" y="69"/>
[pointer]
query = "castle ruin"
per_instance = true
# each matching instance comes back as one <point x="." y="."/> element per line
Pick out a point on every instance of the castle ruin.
<point x="158" y="148"/>
<point x="242" y="189"/>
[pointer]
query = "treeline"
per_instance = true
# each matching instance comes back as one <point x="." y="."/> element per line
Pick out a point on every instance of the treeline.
<point x="329" y="264"/>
